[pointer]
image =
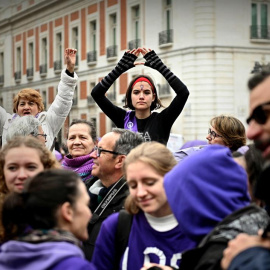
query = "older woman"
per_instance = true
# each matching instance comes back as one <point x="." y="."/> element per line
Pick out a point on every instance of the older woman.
<point x="29" y="101"/>
<point x="81" y="139"/>
<point x="25" y="126"/>
<point x="46" y="223"/>
<point x="21" y="158"/>
<point x="227" y="131"/>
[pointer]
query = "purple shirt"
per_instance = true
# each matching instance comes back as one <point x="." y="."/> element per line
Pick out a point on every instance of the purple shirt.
<point x="145" y="245"/>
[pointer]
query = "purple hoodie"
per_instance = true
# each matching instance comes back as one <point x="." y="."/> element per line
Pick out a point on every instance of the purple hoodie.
<point x="204" y="188"/>
<point x="49" y="255"/>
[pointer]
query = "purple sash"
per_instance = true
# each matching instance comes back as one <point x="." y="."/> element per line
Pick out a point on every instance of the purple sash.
<point x="130" y="122"/>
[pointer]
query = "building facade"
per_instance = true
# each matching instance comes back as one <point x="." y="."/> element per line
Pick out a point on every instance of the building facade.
<point x="211" y="45"/>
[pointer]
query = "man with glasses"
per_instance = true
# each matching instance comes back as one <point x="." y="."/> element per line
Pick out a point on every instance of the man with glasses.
<point x="109" y="192"/>
<point x="253" y="251"/>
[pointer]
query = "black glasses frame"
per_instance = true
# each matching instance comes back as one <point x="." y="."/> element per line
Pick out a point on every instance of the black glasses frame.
<point x="213" y="134"/>
<point x="259" y="114"/>
<point x="99" y="150"/>
<point x="43" y="135"/>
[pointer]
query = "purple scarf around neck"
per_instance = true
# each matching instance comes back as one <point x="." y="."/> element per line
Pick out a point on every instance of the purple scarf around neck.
<point x="130" y="122"/>
<point x="81" y="165"/>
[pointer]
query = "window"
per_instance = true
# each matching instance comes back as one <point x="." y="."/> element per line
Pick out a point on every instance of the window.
<point x="58" y="53"/>
<point x="112" y="49"/>
<point x="44" y="98"/>
<point x="90" y="100"/>
<point x="136" y="21"/>
<point x="135" y="30"/>
<point x="166" y="36"/>
<point x="44" y="57"/>
<point x="93" y="28"/>
<point x="44" y="51"/>
<point x="168" y="6"/>
<point x="75" y="42"/>
<point x="17" y="74"/>
<point x="92" y="54"/>
<point x="113" y="29"/>
<point x="18" y="59"/>
<point x="259" y="21"/>
<point x="31" y="55"/>
<point x="1" y="68"/>
<point x="30" y="69"/>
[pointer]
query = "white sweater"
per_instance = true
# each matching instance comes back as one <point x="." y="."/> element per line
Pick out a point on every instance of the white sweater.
<point x="54" y="118"/>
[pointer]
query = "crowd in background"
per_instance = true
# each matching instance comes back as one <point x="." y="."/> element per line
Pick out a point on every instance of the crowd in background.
<point x="125" y="201"/>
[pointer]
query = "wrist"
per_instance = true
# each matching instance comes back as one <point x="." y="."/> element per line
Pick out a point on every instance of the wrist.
<point x="70" y="72"/>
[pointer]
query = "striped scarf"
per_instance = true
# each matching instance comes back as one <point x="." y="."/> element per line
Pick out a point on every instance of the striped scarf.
<point x="81" y="165"/>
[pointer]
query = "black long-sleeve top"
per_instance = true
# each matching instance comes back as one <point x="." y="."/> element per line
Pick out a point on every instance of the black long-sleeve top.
<point x="157" y="126"/>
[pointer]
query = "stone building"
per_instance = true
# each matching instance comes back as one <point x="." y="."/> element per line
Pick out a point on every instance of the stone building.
<point x="212" y="45"/>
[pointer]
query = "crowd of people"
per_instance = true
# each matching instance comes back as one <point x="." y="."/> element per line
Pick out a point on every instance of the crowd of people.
<point x="124" y="200"/>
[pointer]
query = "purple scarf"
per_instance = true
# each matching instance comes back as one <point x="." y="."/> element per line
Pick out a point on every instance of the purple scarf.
<point x="81" y="165"/>
<point x="130" y="122"/>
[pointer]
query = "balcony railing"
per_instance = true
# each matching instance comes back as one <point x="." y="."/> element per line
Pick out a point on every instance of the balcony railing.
<point x="43" y="70"/>
<point x="166" y="37"/>
<point x="90" y="100"/>
<point x="112" y="51"/>
<point x="111" y="96"/>
<point x="260" y="32"/>
<point x="164" y="90"/>
<point x="30" y="73"/>
<point x="57" y="65"/>
<point x="18" y="76"/>
<point x="133" y="44"/>
<point x="91" y="57"/>
<point x="1" y="79"/>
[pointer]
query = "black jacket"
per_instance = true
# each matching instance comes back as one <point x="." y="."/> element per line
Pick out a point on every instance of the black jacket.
<point x="115" y="205"/>
<point x="208" y="254"/>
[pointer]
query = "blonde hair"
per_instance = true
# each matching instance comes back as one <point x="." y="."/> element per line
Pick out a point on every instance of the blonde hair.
<point x="29" y="94"/>
<point x="154" y="154"/>
<point x="231" y="129"/>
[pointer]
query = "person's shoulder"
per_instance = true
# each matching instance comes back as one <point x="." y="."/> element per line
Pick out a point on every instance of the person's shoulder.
<point x="74" y="263"/>
<point x="252" y="258"/>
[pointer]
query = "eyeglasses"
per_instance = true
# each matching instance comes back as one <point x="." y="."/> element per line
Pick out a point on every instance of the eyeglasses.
<point x="260" y="114"/>
<point x="43" y="135"/>
<point x="99" y="150"/>
<point x="213" y="134"/>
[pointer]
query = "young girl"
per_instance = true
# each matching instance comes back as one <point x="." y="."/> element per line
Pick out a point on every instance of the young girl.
<point x="46" y="222"/>
<point x="154" y="234"/>
<point x="21" y="158"/>
<point x="142" y="98"/>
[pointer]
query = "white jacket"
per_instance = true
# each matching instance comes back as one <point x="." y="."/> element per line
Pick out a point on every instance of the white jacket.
<point x="54" y="118"/>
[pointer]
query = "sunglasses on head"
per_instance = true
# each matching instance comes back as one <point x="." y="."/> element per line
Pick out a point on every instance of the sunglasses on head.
<point x="260" y="114"/>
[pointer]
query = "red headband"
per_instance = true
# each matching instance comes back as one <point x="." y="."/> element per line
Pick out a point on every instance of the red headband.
<point x="143" y="79"/>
